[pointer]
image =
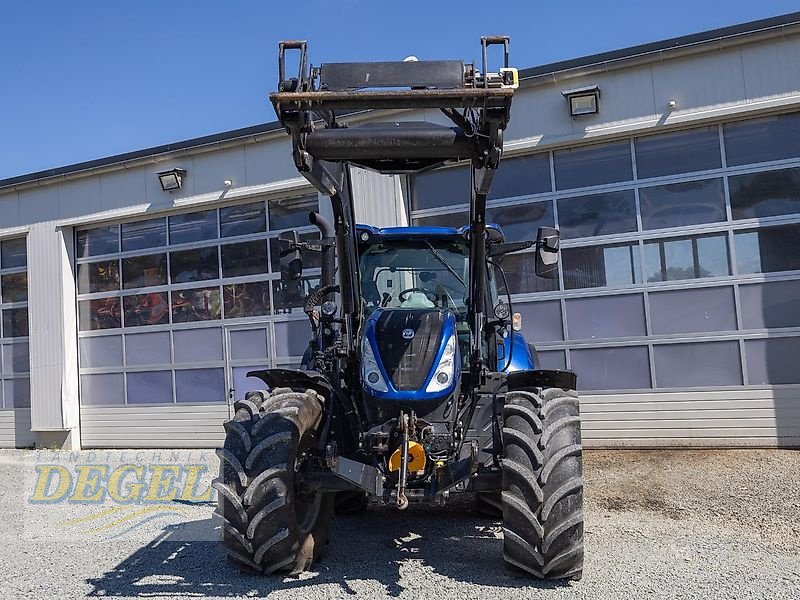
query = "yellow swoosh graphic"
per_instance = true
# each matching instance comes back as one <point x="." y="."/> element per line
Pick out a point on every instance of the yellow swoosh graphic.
<point x="102" y="513"/>
<point x="143" y="511"/>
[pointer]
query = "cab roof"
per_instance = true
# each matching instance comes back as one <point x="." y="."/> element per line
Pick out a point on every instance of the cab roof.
<point x="493" y="230"/>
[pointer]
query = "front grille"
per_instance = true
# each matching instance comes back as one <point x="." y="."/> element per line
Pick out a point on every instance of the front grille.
<point x="408" y="362"/>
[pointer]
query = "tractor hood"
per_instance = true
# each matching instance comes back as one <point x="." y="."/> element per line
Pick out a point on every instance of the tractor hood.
<point x="410" y="354"/>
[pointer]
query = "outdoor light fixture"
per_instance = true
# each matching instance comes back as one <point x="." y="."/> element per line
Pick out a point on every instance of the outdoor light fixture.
<point x="583" y="101"/>
<point x="171" y="180"/>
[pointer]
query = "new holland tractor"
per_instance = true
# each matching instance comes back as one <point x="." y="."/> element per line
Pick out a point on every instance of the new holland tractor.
<point x="417" y="384"/>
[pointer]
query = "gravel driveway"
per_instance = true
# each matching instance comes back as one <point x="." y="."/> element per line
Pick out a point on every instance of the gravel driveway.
<point x="663" y="524"/>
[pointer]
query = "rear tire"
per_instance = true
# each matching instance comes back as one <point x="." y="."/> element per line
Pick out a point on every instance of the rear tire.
<point x="542" y="493"/>
<point x="266" y="525"/>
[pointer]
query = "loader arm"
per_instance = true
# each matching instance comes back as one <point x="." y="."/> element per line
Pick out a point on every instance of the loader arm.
<point x="478" y="102"/>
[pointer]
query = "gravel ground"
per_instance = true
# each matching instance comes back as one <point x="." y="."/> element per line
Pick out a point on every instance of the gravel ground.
<point x="663" y="524"/>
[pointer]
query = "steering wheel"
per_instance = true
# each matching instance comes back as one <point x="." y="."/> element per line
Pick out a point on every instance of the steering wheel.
<point x="428" y="294"/>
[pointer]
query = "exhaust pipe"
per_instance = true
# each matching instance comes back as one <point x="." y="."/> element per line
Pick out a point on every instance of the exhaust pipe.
<point x="328" y="248"/>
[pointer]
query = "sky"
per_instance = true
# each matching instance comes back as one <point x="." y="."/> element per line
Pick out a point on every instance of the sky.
<point x="84" y="79"/>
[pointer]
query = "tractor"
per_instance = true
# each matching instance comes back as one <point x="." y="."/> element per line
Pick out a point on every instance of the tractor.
<point x="417" y="384"/>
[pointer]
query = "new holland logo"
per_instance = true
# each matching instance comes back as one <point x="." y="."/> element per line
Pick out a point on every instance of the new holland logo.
<point x="408" y="334"/>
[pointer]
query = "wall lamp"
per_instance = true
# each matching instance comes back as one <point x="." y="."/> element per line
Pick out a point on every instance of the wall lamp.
<point x="171" y="180"/>
<point x="583" y="101"/>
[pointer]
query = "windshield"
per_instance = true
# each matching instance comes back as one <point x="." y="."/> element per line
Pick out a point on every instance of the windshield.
<point x="416" y="274"/>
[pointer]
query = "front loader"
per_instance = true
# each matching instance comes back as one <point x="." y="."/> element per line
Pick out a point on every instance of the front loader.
<point x="417" y="383"/>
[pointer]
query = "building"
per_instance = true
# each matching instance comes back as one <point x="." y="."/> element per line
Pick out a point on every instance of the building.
<point x="130" y="314"/>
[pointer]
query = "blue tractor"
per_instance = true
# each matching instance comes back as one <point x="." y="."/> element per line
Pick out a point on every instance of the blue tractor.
<point x="417" y="383"/>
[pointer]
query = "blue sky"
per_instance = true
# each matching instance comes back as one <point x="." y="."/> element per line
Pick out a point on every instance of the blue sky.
<point x="86" y="79"/>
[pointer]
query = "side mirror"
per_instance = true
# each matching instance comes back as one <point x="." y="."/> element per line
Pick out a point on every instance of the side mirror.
<point x="290" y="257"/>
<point x="547" y="243"/>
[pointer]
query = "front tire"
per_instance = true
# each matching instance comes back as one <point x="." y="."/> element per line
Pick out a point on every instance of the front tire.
<point x="267" y="526"/>
<point x="542" y="493"/>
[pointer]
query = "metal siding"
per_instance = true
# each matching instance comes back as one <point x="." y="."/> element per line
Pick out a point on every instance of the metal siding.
<point x="122" y="188"/>
<point x="210" y="170"/>
<point x="52" y="331"/>
<point x="377" y="199"/>
<point x="269" y="161"/>
<point x="729" y="418"/>
<point x="80" y="197"/>
<point x="8" y="436"/>
<point x="38" y="205"/>
<point x="15" y="428"/>
<point x="173" y="426"/>
<point x="771" y="70"/>
<point x="9" y="209"/>
<point x="705" y="81"/>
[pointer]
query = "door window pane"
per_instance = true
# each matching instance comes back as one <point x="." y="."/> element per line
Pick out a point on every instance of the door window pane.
<point x="772" y="361"/>
<point x="100" y="276"/>
<point x="243" y="384"/>
<point x="102" y="313"/>
<point x="521" y="221"/>
<point x="144" y="271"/>
<point x="144" y="234"/>
<point x="16" y="358"/>
<point x="102" y="389"/>
<point x="773" y="304"/>
<point x="593" y="165"/>
<point x="13" y="253"/>
<point x="243" y="219"/>
<point x="441" y="187"/>
<point x="101" y="351"/>
<point x="291" y="213"/>
<point x="198" y="264"/>
<point x="198" y="304"/>
<point x="289" y="297"/>
<point x="598" y="214"/>
<point x="249" y="343"/>
<point x="666" y="154"/>
<point x="611" y="368"/>
<point x="760" y="140"/>
<point x="692" y="311"/>
<point x="246" y="299"/>
<point x="521" y="276"/>
<point x="147" y="348"/>
<point x="198" y="345"/>
<point x="541" y="321"/>
<point x="193" y="227"/>
<point x="521" y="176"/>
<point x="310" y="258"/>
<point x="686" y="258"/>
<point x="149" y="387"/>
<point x="698" y="365"/>
<point x="100" y="240"/>
<point x="200" y="385"/>
<point x="455" y="220"/>
<point x="768" y="250"/>
<point x="605" y="317"/>
<point x="292" y="337"/>
<point x="601" y="266"/>
<point x="680" y="204"/>
<point x="551" y="359"/>
<point x="765" y="194"/>
<point x="146" y="309"/>
<point x="15" y="287"/>
<point x="15" y="322"/>
<point x="247" y="258"/>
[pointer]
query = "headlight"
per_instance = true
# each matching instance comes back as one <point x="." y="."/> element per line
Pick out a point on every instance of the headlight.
<point x="370" y="371"/>
<point x="445" y="370"/>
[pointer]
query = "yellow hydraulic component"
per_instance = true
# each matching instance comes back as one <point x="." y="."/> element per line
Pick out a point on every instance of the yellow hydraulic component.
<point x="416" y="458"/>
